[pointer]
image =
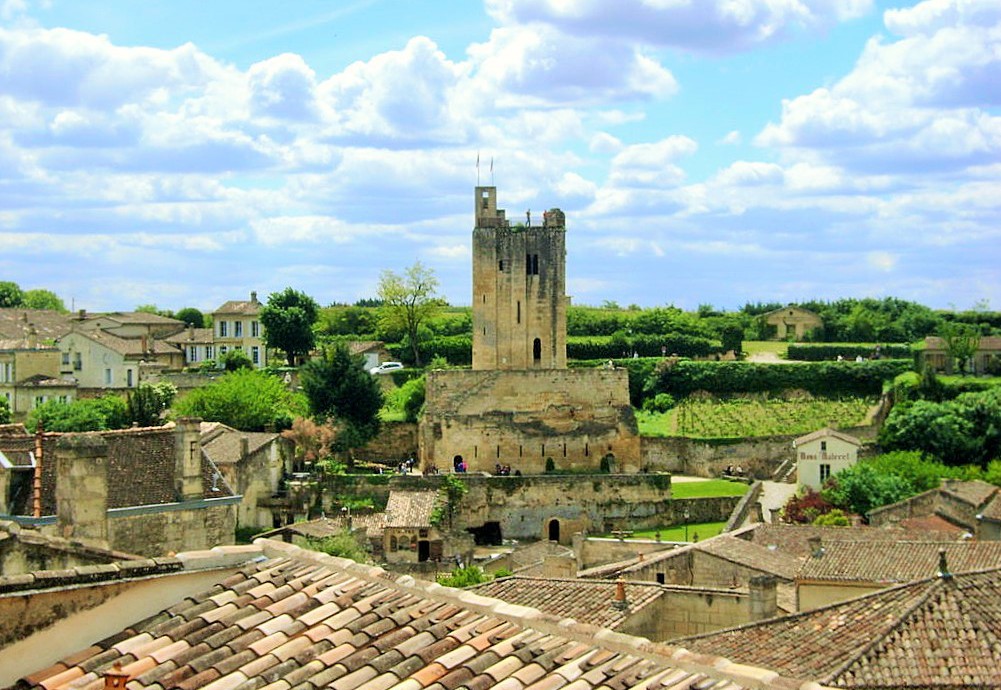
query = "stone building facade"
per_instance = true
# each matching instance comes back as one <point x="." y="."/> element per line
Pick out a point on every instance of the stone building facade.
<point x="520" y="405"/>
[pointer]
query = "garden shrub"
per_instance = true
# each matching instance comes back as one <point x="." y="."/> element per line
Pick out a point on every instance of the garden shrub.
<point x="830" y="352"/>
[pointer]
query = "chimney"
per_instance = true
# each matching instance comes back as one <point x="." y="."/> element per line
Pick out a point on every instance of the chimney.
<point x="764" y="600"/>
<point x="36" y="483"/>
<point x="188" y="459"/>
<point x="144" y="344"/>
<point x="620" y="601"/>
<point x="253" y="296"/>
<point x="816" y="548"/>
<point x="82" y="314"/>
<point x="943" y="567"/>
<point x="115" y="678"/>
<point x="244" y="447"/>
<point x="82" y="487"/>
<point x="191" y="331"/>
<point x="32" y="337"/>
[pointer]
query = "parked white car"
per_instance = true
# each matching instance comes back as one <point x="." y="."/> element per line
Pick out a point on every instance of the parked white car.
<point x="386" y="368"/>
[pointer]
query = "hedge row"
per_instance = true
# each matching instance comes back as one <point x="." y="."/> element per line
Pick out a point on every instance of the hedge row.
<point x="830" y="353"/>
<point x="457" y="349"/>
<point x="827" y="379"/>
<point x="612" y="347"/>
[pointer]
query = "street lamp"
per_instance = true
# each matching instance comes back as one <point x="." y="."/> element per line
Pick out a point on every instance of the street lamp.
<point x="686" y="515"/>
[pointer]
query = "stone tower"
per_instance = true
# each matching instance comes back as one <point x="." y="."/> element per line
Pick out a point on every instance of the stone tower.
<point x="519" y="289"/>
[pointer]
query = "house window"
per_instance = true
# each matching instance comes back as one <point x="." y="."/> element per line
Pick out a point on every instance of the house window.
<point x="255" y="329"/>
<point x="77" y="361"/>
<point x="823" y="445"/>
<point x="107" y="377"/>
<point x="825" y="472"/>
<point x="238" y="329"/>
<point x="128" y="378"/>
<point x="209" y="352"/>
<point x="255" y="354"/>
<point x="6" y="372"/>
<point x="39" y="400"/>
<point x="193" y="353"/>
<point x="66" y="359"/>
<point x="223" y="330"/>
<point x="64" y="399"/>
<point x="222" y="350"/>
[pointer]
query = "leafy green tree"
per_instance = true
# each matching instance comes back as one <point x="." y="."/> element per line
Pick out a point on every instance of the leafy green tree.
<point x="235" y="359"/>
<point x="833" y="518"/>
<point x="148" y="401"/>
<point x="98" y="414"/>
<point x="288" y="320"/>
<point x="153" y="309"/>
<point x="341" y="320"/>
<point x="343" y="545"/>
<point x="191" y="316"/>
<point x="338" y="387"/>
<point x="961" y="343"/>
<point x="4" y="411"/>
<point x="732" y="337"/>
<point x="861" y="487"/>
<point x="11" y="294"/>
<point x="463" y="577"/>
<point x="408" y="302"/>
<point x="43" y="299"/>
<point x="248" y="399"/>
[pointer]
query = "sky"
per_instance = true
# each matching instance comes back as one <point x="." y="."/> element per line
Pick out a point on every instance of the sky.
<point x="715" y="152"/>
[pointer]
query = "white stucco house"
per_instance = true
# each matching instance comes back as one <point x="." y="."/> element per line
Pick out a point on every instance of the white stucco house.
<point x="823" y="453"/>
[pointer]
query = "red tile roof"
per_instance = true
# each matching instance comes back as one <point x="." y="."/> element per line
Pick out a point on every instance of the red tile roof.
<point x="305" y="620"/>
<point x="934" y="633"/>
<point x="410" y="508"/>
<point x="895" y="562"/>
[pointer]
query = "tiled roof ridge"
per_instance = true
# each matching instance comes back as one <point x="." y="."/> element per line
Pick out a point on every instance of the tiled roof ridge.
<point x="568" y="628"/>
<point x="630" y="583"/>
<point x="627" y="564"/>
<point x="877" y="640"/>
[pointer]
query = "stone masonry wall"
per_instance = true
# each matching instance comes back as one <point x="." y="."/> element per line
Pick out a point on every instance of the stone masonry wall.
<point x="522" y="418"/>
<point x="159" y="533"/>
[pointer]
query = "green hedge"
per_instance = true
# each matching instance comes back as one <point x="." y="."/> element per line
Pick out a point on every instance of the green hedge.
<point x="457" y="349"/>
<point x="830" y="352"/>
<point x="612" y="347"/>
<point x="828" y="379"/>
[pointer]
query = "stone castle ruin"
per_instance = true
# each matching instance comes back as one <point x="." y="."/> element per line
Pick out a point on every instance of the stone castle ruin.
<point x="520" y="406"/>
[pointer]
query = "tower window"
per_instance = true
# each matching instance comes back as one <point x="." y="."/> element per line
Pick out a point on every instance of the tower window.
<point x="519" y="311"/>
<point x="500" y="265"/>
<point x="537" y="350"/>
<point x="535" y="264"/>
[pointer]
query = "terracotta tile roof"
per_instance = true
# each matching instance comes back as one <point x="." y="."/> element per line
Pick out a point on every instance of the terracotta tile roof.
<point x="724" y="546"/>
<point x="15" y="323"/>
<point x="245" y="307"/>
<point x="191" y="336"/>
<point x="992" y="511"/>
<point x="223" y="445"/>
<point x="372" y="523"/>
<point x="586" y="601"/>
<point x="130" y="347"/>
<point x="934" y="524"/>
<point x="936" y="632"/>
<point x="826" y="432"/>
<point x="975" y="493"/>
<point x="305" y="620"/>
<point x="43" y="381"/>
<point x="410" y="508"/>
<point x="140" y="318"/>
<point x="895" y="562"/>
<point x="794" y="539"/>
<point x="24" y="344"/>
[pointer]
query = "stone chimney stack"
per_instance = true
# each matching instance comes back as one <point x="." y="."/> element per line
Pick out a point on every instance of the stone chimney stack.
<point x="244" y="447"/>
<point x="620" y="601"/>
<point x="144" y="344"/>
<point x="764" y="599"/>
<point x="32" y="337"/>
<point x="188" y="459"/>
<point x="253" y="296"/>
<point x="82" y="488"/>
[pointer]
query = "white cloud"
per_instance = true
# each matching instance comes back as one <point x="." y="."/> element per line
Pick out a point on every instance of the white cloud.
<point x="882" y="261"/>
<point x="604" y="143"/>
<point x="715" y="26"/>
<point x="451" y="252"/>
<point x="732" y="138"/>
<point x="283" y="87"/>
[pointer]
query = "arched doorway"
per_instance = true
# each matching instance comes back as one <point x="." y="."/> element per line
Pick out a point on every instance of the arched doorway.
<point x="423" y="550"/>
<point x="537" y="350"/>
<point x="457" y="463"/>
<point x="554" y="530"/>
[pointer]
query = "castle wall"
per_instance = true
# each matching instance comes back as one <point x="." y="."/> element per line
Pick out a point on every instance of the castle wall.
<point x="522" y="418"/>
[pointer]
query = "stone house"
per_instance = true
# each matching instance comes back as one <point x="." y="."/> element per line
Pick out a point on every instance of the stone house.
<point x="970" y="507"/>
<point x="292" y="618"/>
<point x="29" y="375"/>
<point x="409" y="535"/>
<point x="237" y="326"/>
<point x="791" y="323"/>
<point x="936" y="632"/>
<point x="197" y="344"/>
<point x="823" y="453"/>
<point x="842" y="570"/>
<point x="99" y="360"/>
<point x="935" y="355"/>
<point x="143" y="491"/>
<point x="253" y="464"/>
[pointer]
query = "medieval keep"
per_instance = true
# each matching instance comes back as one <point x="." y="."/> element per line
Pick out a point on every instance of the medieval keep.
<point x="520" y="405"/>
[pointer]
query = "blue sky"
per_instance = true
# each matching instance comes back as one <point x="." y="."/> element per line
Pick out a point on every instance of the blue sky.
<point x="704" y="151"/>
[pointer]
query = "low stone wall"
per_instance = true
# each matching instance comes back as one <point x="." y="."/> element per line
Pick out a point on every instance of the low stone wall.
<point x="155" y="531"/>
<point x="396" y="441"/>
<point x="679" y="612"/>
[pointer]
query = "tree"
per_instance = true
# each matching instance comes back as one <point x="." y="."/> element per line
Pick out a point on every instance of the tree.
<point x="861" y="487"/>
<point x="961" y="343"/>
<point x="235" y="359"/>
<point x="191" y="316"/>
<point x="43" y="299"/>
<point x="11" y="294"/>
<point x="147" y="403"/>
<point x="98" y="414"/>
<point x="732" y="336"/>
<point x="408" y="301"/>
<point x="153" y="309"/>
<point x="338" y="387"/>
<point x="288" y="320"/>
<point x="248" y="400"/>
<point x="4" y="411"/>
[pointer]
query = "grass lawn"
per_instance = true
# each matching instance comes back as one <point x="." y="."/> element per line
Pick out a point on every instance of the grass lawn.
<point x="700" y="531"/>
<point x="777" y="347"/>
<point x="708" y="489"/>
